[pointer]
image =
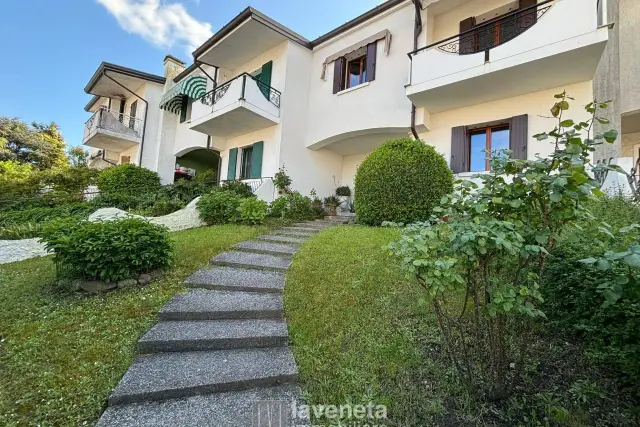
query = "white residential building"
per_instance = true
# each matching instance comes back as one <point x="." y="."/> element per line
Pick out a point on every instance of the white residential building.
<point x="463" y="75"/>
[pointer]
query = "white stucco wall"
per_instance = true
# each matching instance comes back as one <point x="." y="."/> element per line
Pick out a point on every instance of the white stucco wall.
<point x="350" y="166"/>
<point x="381" y="104"/>
<point x="536" y="105"/>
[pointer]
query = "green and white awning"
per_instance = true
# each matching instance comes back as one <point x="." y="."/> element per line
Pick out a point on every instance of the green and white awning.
<point x="193" y="87"/>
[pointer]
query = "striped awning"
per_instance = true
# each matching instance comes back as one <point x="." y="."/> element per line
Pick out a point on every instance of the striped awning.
<point x="193" y="86"/>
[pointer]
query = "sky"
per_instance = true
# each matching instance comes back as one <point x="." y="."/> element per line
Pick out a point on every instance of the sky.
<point x="51" y="48"/>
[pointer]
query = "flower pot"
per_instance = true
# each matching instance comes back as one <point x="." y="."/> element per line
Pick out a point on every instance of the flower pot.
<point x="331" y="210"/>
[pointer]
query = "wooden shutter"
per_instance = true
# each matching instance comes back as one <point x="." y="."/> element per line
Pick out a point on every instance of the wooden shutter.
<point x="518" y="136"/>
<point x="265" y="77"/>
<point x="256" y="160"/>
<point x="459" y="149"/>
<point x="339" y="69"/>
<point x="371" y="61"/>
<point x="468" y="41"/>
<point x="231" y="168"/>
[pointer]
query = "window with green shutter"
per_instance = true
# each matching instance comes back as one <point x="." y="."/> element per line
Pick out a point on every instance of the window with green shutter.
<point x="256" y="160"/>
<point x="233" y="159"/>
<point x="265" y="77"/>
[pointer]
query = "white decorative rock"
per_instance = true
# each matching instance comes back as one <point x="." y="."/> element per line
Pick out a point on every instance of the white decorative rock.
<point x="17" y="250"/>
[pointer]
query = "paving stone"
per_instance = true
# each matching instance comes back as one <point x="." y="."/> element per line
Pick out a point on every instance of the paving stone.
<point x="204" y="304"/>
<point x="214" y="335"/>
<point x="310" y="230"/>
<point x="261" y="407"/>
<point x="236" y="279"/>
<point x="175" y="375"/>
<point x="293" y="233"/>
<point x="312" y="224"/>
<point x="279" y="238"/>
<point x="263" y="247"/>
<point x="252" y="260"/>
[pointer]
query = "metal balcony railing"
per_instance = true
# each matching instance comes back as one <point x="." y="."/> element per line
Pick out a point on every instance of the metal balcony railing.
<point x="112" y="121"/>
<point x="492" y="33"/>
<point x="213" y="96"/>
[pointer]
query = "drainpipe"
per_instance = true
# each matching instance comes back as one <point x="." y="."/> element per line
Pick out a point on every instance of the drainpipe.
<point x="146" y="110"/>
<point x="417" y="29"/>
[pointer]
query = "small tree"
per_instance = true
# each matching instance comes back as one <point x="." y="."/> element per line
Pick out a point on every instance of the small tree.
<point x="481" y="262"/>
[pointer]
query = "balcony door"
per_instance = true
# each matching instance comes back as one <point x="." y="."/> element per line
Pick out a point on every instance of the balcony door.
<point x="132" y="114"/>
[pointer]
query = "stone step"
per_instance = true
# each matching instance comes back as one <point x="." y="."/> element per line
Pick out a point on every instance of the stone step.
<point x="262" y="247"/>
<point x="283" y="239"/>
<point x="252" y="260"/>
<point x="236" y="279"/>
<point x="311" y="230"/>
<point x="258" y="407"/>
<point x="318" y="225"/>
<point x="293" y="233"/>
<point x="213" y="335"/>
<point x="175" y="375"/>
<point x="204" y="304"/>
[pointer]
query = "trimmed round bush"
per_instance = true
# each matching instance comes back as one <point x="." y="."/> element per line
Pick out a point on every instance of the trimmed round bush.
<point x="219" y="207"/>
<point x="128" y="178"/>
<point x="401" y="181"/>
<point x="109" y="250"/>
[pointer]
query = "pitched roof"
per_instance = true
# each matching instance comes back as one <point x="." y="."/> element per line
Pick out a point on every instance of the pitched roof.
<point x="106" y="66"/>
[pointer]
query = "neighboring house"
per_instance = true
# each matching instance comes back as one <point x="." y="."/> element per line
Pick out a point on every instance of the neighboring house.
<point x="464" y="76"/>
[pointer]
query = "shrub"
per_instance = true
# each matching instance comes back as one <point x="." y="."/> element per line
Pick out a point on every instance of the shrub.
<point x="219" y="207"/>
<point x="25" y="230"/>
<point x="401" y="181"/>
<point x="17" y="180"/>
<point x="44" y="214"/>
<point x="253" y="211"/>
<point x="343" y="191"/>
<point x="109" y="250"/>
<point x="293" y="206"/>
<point x="69" y="183"/>
<point x="282" y="181"/>
<point x="129" y="179"/>
<point x="242" y="189"/>
<point x="279" y="207"/>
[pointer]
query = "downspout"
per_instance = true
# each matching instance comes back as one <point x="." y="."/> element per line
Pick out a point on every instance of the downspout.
<point x="146" y="110"/>
<point x="417" y="29"/>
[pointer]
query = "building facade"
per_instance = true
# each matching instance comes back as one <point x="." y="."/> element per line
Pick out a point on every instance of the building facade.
<point x="462" y="75"/>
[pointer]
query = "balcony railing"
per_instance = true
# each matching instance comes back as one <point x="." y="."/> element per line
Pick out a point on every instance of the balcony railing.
<point x="212" y="97"/>
<point x="111" y="121"/>
<point x="492" y="33"/>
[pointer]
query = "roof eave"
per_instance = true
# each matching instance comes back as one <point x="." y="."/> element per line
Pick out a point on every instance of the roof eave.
<point x="92" y="102"/>
<point x="106" y="66"/>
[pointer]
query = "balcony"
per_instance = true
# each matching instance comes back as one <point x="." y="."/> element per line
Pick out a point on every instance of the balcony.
<point x="236" y="107"/>
<point x="112" y="131"/>
<point x="547" y="45"/>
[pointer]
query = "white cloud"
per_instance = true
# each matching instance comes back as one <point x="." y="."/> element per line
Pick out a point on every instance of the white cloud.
<point x="161" y="23"/>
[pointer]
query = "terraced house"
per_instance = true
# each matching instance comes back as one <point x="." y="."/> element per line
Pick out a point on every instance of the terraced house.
<point x="463" y="75"/>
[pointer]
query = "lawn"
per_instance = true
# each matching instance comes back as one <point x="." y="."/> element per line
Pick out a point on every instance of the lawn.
<point x="362" y="332"/>
<point x="61" y="354"/>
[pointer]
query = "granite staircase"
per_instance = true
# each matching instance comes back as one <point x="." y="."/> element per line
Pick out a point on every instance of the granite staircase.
<point x="219" y="354"/>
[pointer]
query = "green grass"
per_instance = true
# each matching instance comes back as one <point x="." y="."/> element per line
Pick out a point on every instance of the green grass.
<point x="361" y="332"/>
<point x="61" y="354"/>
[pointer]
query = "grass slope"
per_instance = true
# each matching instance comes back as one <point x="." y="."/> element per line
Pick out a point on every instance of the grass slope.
<point x="62" y="354"/>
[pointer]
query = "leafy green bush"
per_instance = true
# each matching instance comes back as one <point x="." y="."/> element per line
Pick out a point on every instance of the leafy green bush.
<point x="109" y="250"/>
<point x="17" y="180"/>
<point x="574" y="291"/>
<point x="219" y="207"/>
<point x="279" y="207"/>
<point x="343" y="191"/>
<point x="68" y="183"/>
<point x="44" y="214"/>
<point x="128" y="179"/>
<point x="25" y="230"/>
<point x="401" y="181"/>
<point x="240" y="188"/>
<point x="293" y="206"/>
<point x="253" y="211"/>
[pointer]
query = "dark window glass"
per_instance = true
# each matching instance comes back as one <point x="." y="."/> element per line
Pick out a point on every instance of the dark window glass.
<point x="245" y="167"/>
<point x="356" y="71"/>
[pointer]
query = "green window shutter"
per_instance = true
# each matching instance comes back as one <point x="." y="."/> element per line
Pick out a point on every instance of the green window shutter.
<point x="256" y="160"/>
<point x="233" y="159"/>
<point x="265" y="77"/>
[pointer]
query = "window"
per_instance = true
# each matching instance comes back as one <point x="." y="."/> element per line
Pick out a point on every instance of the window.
<point x="484" y="141"/>
<point x="245" y="163"/>
<point x="125" y="159"/>
<point x="356" y="71"/>
<point x="132" y="114"/>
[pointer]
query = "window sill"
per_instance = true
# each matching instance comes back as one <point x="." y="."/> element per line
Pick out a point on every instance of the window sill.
<point x="469" y="174"/>
<point x="351" y="89"/>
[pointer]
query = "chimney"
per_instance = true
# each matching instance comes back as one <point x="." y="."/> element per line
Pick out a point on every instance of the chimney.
<point x="172" y="67"/>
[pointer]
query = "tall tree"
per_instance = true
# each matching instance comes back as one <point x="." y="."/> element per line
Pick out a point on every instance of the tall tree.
<point x="39" y="145"/>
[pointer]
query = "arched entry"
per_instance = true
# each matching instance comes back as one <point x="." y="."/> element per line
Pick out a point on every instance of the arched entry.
<point x="196" y="162"/>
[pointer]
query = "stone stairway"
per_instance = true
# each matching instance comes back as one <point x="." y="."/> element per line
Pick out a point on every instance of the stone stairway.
<point x="218" y="355"/>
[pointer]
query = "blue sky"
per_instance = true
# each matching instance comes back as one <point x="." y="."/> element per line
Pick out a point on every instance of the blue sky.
<point x="50" y="48"/>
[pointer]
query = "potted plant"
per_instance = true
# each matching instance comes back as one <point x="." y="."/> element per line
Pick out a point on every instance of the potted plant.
<point x="344" y="193"/>
<point x="316" y="202"/>
<point x="282" y="181"/>
<point x="331" y="203"/>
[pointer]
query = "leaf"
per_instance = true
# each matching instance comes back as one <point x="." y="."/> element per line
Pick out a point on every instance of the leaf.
<point x="588" y="261"/>
<point x="555" y="197"/>
<point x="602" y="120"/>
<point x="632" y="260"/>
<point x="567" y="123"/>
<point x="598" y="192"/>
<point x="603" y="264"/>
<point x="555" y="110"/>
<point x="563" y="105"/>
<point x="610" y="136"/>
<point x="622" y="280"/>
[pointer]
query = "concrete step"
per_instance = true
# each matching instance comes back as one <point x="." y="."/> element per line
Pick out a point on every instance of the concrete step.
<point x="252" y="260"/>
<point x="310" y="230"/>
<point x="175" y="375"/>
<point x="262" y="247"/>
<point x="258" y="407"/>
<point x="313" y="224"/>
<point x="204" y="304"/>
<point x="213" y="335"/>
<point x="293" y="233"/>
<point x="236" y="279"/>
<point x="281" y="239"/>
